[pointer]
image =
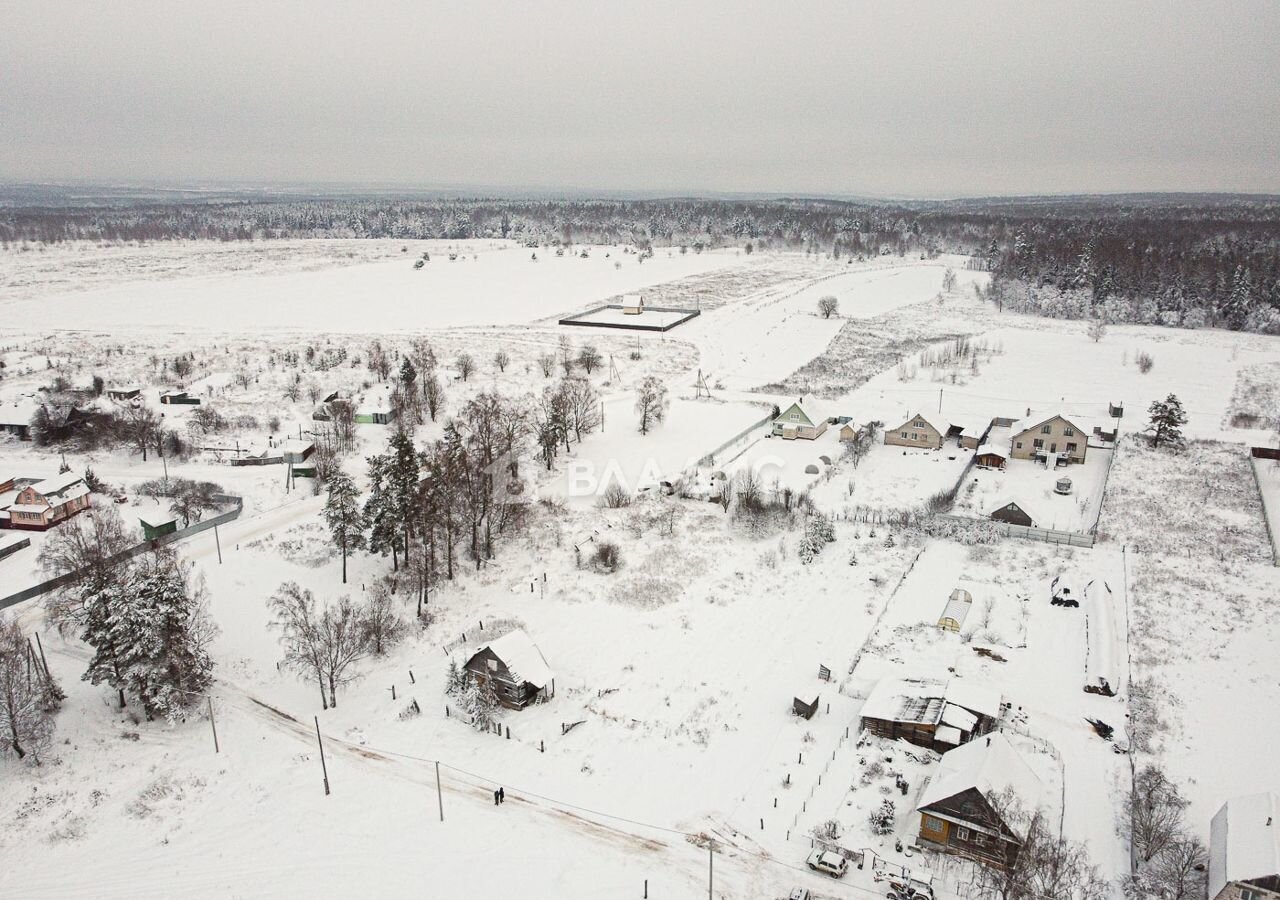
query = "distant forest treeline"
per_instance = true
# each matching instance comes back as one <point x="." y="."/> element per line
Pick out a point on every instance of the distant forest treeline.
<point x="1182" y="260"/>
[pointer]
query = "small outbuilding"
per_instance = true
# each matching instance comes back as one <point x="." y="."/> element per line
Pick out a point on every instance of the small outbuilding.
<point x="850" y="431"/>
<point x="956" y="611"/>
<point x="632" y="304"/>
<point x="1014" y="512"/>
<point x="178" y="398"/>
<point x="157" y="524"/>
<point x="804" y="708"/>
<point x="516" y="670"/>
<point x="12" y="543"/>
<point x="296" y="451"/>
<point x="929" y="712"/>
<point x="122" y="393"/>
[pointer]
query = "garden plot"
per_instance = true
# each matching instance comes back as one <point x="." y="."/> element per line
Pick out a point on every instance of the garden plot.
<point x="1034" y="487"/>
<point x="501" y="287"/>
<point x="893" y="479"/>
<point x="617" y="317"/>
<point x="1031" y="652"/>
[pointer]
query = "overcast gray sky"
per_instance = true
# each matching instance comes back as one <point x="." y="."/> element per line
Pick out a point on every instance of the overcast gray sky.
<point x="898" y="98"/>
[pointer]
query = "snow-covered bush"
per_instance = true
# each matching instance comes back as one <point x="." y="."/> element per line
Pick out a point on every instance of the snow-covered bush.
<point x="881" y="819"/>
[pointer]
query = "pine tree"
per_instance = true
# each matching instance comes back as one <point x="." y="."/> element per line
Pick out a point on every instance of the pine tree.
<point x="1238" y="304"/>
<point x="379" y="514"/>
<point x="1167" y="419"/>
<point x="342" y="515"/>
<point x="151" y="637"/>
<point x="402" y="474"/>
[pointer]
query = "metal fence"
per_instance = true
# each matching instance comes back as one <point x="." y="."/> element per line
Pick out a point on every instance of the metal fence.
<point x="1025" y="532"/>
<point x="37" y="590"/>
<point x="744" y="433"/>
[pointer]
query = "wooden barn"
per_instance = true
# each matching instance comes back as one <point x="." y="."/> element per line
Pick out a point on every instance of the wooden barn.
<point x="957" y="814"/>
<point x="930" y="713"/>
<point x="632" y="304"/>
<point x="515" y="668"/>
<point x="804" y="708"/>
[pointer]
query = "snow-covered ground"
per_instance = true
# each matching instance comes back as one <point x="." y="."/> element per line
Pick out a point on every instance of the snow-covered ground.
<point x="1034" y="487"/>
<point x="681" y="666"/>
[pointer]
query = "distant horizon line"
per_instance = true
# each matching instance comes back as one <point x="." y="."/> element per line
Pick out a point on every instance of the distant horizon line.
<point x="569" y="192"/>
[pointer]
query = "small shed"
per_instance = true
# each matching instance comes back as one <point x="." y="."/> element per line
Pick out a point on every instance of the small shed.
<point x="850" y="430"/>
<point x="157" y="523"/>
<point x="123" y="392"/>
<point x="956" y="611"/>
<point x="804" y="709"/>
<point x="632" y="304"/>
<point x="1014" y="512"/>
<point x="296" y="451"/>
<point x="178" y="398"/>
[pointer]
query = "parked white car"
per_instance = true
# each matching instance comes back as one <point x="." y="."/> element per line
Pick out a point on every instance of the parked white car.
<point x="832" y="864"/>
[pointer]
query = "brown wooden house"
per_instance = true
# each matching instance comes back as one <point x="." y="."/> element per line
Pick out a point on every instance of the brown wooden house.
<point x="930" y="713"/>
<point x="515" y="668"/>
<point x="977" y="803"/>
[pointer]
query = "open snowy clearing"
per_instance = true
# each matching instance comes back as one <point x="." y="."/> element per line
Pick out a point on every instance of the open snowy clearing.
<point x="498" y="287"/>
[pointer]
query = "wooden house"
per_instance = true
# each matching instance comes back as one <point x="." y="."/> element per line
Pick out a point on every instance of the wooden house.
<point x="956" y="610"/>
<point x="15" y="419"/>
<point x="44" y="504"/>
<point x="178" y="398"/>
<point x="1244" y="849"/>
<point x="930" y="713"/>
<point x="1040" y="436"/>
<point x="793" y="422"/>
<point x="516" y="670"/>
<point x="850" y="431"/>
<point x="804" y="708"/>
<point x="965" y="807"/>
<point x="1014" y="512"/>
<point x="632" y="304"/>
<point x="375" y="408"/>
<point x="123" y="393"/>
<point x="920" y="431"/>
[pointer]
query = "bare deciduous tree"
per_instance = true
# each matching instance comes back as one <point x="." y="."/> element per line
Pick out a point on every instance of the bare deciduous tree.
<point x="323" y="644"/>
<point x="466" y="365"/>
<point x="589" y="358"/>
<point x="502" y="359"/>
<point x="828" y="306"/>
<point x="651" y="402"/>
<point x="28" y="696"/>
<point x="1155" y="812"/>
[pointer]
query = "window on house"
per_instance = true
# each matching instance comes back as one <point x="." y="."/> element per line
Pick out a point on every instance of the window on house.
<point x="963" y="834"/>
<point x="1019" y="445"/>
<point x="904" y="435"/>
<point x="932" y="824"/>
<point x="919" y="423"/>
<point x="979" y="838"/>
<point x="1046" y="429"/>
<point x="1038" y="444"/>
<point x="493" y="664"/>
<point x="1246" y="894"/>
<point x="1071" y="448"/>
<point x="1069" y="431"/>
<point x="795" y="417"/>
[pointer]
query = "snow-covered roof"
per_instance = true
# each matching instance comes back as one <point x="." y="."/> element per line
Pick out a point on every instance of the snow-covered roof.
<point x="810" y="409"/>
<point x="916" y="700"/>
<point x="26" y="508"/>
<point x="154" y="518"/>
<point x="9" y="540"/>
<point x="992" y="765"/>
<point x="999" y="440"/>
<point x="1244" y="840"/>
<point x="1036" y="418"/>
<point x="958" y="717"/>
<point x="294" y="445"/>
<point x="947" y="734"/>
<point x="522" y="658"/>
<point x="940" y="424"/>
<point x="974" y="697"/>
<point x="18" y="412"/>
<point x="58" y="484"/>
<point x="1023" y="505"/>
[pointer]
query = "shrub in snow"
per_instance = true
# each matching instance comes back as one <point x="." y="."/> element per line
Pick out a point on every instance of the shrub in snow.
<point x="1144" y="361"/>
<point x="606" y="558"/>
<point x="827" y="831"/>
<point x="881" y="819"/>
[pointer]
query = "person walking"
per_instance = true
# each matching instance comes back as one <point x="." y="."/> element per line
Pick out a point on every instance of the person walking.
<point x="497" y="798"/>
<point x="502" y="795"/>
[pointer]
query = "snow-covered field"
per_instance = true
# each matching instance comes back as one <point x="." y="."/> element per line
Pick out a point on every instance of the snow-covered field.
<point x="681" y="665"/>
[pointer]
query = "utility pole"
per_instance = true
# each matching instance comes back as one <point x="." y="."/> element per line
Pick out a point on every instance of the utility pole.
<point x="711" y="869"/>
<point x="939" y="399"/>
<point x="439" y="793"/>
<point x="213" y="725"/>
<point x="323" y="767"/>
<point x="217" y="541"/>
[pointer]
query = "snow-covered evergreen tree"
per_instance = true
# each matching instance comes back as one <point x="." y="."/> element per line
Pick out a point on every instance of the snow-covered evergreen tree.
<point x="28" y="697"/>
<point x="342" y="515"/>
<point x="1167" y="419"/>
